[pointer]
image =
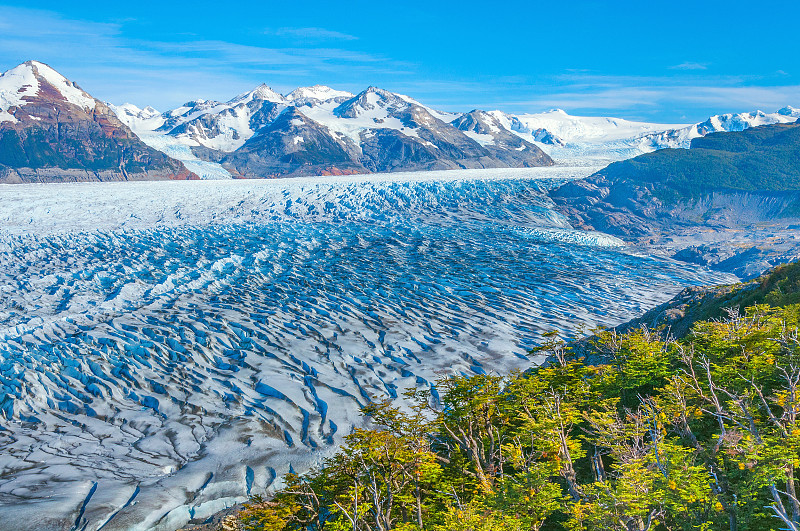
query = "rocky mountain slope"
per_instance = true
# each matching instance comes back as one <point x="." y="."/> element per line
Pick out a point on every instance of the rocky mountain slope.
<point x="51" y="130"/>
<point x="778" y="287"/>
<point x="732" y="201"/>
<point x="490" y="132"/>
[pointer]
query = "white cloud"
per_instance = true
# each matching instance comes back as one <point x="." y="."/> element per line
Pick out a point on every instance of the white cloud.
<point x="649" y="97"/>
<point x="690" y="66"/>
<point x="313" y="34"/>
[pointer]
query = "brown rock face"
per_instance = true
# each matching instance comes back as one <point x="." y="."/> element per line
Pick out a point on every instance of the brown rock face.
<point x="54" y="137"/>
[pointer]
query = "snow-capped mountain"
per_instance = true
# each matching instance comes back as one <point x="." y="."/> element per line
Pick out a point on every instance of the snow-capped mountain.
<point x="488" y="130"/>
<point x="682" y="137"/>
<point x="579" y="129"/>
<point x="206" y="127"/>
<point x="224" y="126"/>
<point x="378" y="130"/>
<point x="52" y="130"/>
<point x="136" y="118"/>
<point x="319" y="130"/>
<point x="292" y="141"/>
<point x="569" y="138"/>
<point x="317" y="94"/>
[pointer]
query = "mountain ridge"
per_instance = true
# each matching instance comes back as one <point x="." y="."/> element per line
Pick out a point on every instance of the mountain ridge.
<point x="565" y="138"/>
<point x="372" y="131"/>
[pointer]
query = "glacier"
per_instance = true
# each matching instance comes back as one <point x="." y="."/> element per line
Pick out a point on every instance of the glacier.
<point x="168" y="348"/>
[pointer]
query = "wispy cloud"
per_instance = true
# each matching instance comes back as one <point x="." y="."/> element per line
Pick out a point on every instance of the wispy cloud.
<point x="118" y="68"/>
<point x="112" y="67"/>
<point x="606" y="99"/>
<point x="645" y="95"/>
<point x="690" y="66"/>
<point x="311" y="34"/>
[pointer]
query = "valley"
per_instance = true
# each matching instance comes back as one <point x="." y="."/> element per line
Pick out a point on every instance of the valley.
<point x="199" y="301"/>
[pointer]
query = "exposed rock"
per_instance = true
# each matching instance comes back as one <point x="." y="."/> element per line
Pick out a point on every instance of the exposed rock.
<point x="293" y="145"/>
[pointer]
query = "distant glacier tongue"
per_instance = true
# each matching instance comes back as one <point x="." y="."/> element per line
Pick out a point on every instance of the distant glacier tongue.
<point x="168" y="348"/>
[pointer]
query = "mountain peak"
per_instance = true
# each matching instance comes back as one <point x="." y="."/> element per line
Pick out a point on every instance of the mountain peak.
<point x="384" y="94"/>
<point x="316" y="93"/>
<point x="261" y="93"/>
<point x="368" y="99"/>
<point x="35" y="81"/>
<point x="132" y="110"/>
<point x="49" y="122"/>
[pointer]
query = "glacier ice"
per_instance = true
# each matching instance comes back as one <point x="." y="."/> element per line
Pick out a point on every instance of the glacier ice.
<point x="167" y="348"/>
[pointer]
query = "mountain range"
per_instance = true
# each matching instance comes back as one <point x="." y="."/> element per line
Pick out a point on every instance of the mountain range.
<point x="210" y="132"/>
<point x="321" y="131"/>
<point x="51" y="130"/>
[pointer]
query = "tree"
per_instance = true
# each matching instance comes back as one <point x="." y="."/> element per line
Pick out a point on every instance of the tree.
<point x="665" y="434"/>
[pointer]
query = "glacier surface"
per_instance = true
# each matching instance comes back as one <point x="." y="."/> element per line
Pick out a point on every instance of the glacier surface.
<point x="167" y="348"/>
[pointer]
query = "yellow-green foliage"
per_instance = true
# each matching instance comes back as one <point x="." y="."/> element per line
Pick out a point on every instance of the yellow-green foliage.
<point x="700" y="433"/>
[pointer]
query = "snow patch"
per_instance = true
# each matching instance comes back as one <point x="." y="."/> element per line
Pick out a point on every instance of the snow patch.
<point x="65" y="87"/>
<point x="483" y="139"/>
<point x="317" y="93"/>
<point x="261" y="93"/>
<point x="147" y="119"/>
<point x="15" y="85"/>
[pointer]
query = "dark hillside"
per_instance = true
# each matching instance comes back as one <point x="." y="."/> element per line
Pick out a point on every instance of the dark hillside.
<point x="765" y="158"/>
<point x="731" y="202"/>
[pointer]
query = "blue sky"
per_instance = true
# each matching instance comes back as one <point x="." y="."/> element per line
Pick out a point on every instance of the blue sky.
<point x="661" y="61"/>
